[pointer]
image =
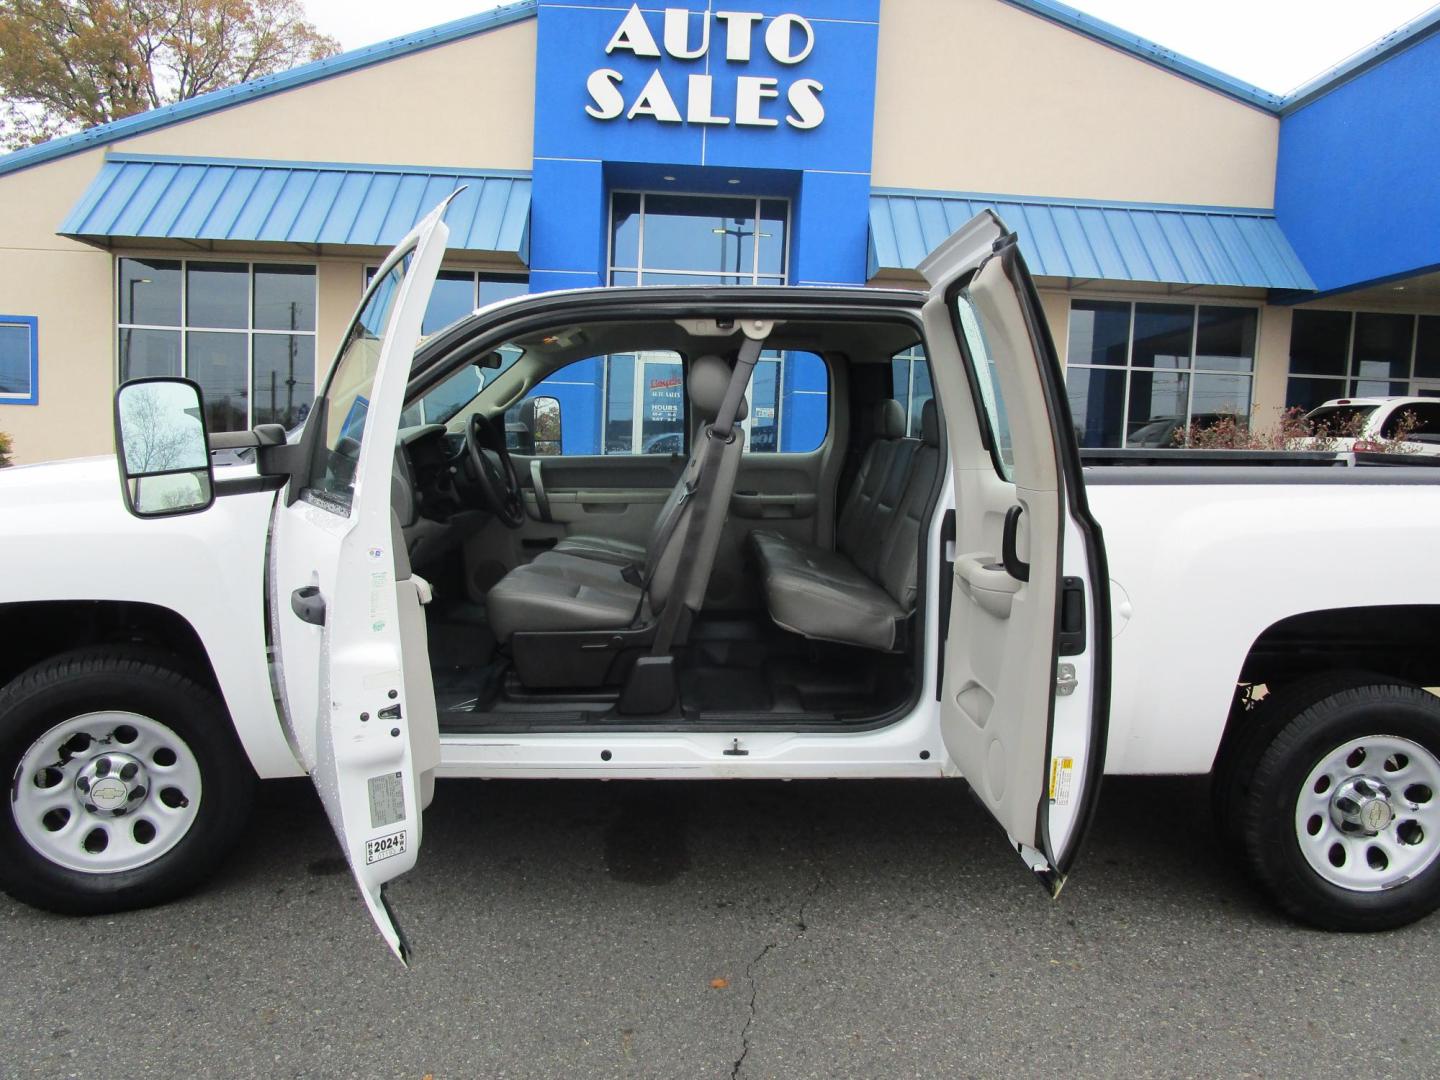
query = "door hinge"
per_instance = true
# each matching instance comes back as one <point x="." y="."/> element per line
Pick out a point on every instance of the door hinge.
<point x="1065" y="680"/>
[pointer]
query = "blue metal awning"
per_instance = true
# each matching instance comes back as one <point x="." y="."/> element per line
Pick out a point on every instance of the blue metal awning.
<point x="1080" y="239"/>
<point x="309" y="204"/>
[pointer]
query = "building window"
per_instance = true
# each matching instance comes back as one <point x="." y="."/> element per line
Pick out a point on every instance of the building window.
<point x="1336" y="354"/>
<point x="661" y="239"/>
<point x="244" y="331"/>
<point x="19" y="360"/>
<point x="1139" y="373"/>
<point x="657" y="238"/>
<point x="910" y="379"/>
<point x="459" y="292"/>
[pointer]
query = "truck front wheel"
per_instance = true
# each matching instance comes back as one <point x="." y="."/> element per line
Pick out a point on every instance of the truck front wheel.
<point x="1340" y="821"/>
<point x="128" y="785"/>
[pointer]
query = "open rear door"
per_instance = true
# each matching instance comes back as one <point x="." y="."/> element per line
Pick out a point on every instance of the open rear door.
<point x="351" y="656"/>
<point x="1025" y="680"/>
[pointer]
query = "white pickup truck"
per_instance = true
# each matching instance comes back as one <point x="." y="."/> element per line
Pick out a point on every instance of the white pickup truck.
<point x="378" y="602"/>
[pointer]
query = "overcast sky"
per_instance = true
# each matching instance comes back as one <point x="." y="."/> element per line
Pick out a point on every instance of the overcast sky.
<point x="1275" y="44"/>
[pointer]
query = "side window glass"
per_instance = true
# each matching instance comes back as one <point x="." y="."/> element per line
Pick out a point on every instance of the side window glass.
<point x="992" y="401"/>
<point x="622" y="404"/>
<point x="1426" y="420"/>
<point x="348" y="393"/>
<point x="911" y="387"/>
<point x="789" y="404"/>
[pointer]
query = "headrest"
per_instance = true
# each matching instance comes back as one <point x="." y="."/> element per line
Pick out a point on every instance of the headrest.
<point x="709" y="380"/>
<point x="889" y="420"/>
<point x="930" y="424"/>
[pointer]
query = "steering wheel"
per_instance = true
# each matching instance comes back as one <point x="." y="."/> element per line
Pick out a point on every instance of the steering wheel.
<point x="488" y="466"/>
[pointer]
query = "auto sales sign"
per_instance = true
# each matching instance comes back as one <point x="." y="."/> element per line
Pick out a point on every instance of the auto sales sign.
<point x="756" y="101"/>
<point x="757" y="84"/>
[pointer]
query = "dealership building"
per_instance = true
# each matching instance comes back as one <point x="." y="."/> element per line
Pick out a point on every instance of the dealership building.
<point x="1202" y="247"/>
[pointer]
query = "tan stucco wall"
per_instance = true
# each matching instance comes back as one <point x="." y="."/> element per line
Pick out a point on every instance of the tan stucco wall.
<point x="67" y="285"/>
<point x="1272" y="366"/>
<point x="976" y="95"/>
<point x="467" y="104"/>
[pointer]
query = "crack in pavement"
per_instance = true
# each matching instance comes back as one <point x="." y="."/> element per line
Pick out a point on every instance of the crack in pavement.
<point x="799" y="932"/>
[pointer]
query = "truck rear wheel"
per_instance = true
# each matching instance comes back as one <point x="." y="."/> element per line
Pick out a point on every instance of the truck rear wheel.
<point x="128" y="786"/>
<point x="1340" y="820"/>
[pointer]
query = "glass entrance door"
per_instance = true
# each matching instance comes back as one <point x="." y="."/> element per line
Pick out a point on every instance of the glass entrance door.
<point x="659" y="422"/>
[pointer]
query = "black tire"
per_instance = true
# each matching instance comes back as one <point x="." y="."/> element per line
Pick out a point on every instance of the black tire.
<point x="1266" y="811"/>
<point x="1250" y="732"/>
<point x="151" y="685"/>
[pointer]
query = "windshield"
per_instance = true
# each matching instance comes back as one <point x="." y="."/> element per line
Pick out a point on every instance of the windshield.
<point x="1341" y="420"/>
<point x="448" y="399"/>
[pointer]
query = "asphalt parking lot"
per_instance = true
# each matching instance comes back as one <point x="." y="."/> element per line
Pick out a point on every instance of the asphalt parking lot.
<point x="712" y="930"/>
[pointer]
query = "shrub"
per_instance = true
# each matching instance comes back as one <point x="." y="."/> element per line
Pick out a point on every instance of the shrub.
<point x="5" y="448"/>
<point x="1293" y="432"/>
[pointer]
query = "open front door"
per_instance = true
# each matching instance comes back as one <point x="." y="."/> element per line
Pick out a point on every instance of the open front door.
<point x="351" y="657"/>
<point x="1025" y="684"/>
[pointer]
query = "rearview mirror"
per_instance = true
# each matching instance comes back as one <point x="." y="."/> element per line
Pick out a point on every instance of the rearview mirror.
<point x="163" y="448"/>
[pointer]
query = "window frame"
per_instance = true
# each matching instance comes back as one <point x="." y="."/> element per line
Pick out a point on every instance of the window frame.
<point x="1348" y="381"/>
<point x="32" y="325"/>
<point x="1193" y="370"/>
<point x="701" y="276"/>
<point x="184" y="329"/>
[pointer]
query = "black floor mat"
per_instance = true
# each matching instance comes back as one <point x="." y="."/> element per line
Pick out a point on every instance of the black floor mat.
<point x="712" y="690"/>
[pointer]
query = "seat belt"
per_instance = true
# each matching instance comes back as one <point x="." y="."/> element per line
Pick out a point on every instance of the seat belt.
<point x="699" y="491"/>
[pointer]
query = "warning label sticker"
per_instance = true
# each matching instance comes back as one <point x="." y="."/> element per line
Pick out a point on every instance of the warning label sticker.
<point x="387" y="800"/>
<point x="1061" y="771"/>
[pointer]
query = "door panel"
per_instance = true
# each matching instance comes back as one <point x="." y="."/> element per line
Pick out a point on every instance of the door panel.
<point x="346" y="615"/>
<point x="1031" y="756"/>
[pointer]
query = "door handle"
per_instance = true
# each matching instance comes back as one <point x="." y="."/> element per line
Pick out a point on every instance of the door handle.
<point x="308" y="605"/>
<point x="1009" y="555"/>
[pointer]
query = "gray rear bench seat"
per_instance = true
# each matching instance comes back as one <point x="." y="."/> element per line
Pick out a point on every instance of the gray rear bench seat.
<point x="863" y="592"/>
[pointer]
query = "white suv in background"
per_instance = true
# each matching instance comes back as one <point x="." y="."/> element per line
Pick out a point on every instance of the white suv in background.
<point x="1375" y="419"/>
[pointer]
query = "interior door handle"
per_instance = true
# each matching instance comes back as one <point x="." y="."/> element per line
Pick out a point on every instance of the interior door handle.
<point x="1009" y="555"/>
<point x="308" y="605"/>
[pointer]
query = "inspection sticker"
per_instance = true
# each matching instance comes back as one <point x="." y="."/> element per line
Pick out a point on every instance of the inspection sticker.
<point x="385" y="847"/>
<point x="1061" y="770"/>
<point x="387" y="800"/>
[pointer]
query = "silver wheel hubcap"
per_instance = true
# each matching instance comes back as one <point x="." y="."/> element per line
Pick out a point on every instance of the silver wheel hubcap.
<point x="1368" y="817"/>
<point x="106" y="792"/>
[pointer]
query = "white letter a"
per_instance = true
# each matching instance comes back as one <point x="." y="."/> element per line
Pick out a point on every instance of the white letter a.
<point x="634" y="35"/>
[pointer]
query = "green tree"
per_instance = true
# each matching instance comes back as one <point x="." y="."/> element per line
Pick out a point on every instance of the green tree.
<point x="73" y="64"/>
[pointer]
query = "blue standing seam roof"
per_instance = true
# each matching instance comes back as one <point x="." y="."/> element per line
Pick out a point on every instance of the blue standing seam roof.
<point x="1077" y="238"/>
<point x="297" y="203"/>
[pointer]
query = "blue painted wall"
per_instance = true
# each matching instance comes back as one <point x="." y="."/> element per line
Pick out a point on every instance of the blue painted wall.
<point x="1358" y="182"/>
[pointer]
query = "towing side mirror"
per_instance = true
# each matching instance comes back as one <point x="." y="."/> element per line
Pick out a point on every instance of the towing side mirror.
<point x="537" y="430"/>
<point x="543" y="420"/>
<point x="163" y="448"/>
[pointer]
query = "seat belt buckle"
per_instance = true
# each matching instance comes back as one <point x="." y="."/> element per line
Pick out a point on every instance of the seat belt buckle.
<point x="632" y="575"/>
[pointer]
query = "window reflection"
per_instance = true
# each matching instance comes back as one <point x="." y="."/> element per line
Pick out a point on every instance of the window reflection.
<point x="1140" y="374"/>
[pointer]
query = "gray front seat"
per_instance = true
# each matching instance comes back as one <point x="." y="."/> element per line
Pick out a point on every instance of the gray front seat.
<point x="587" y="585"/>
